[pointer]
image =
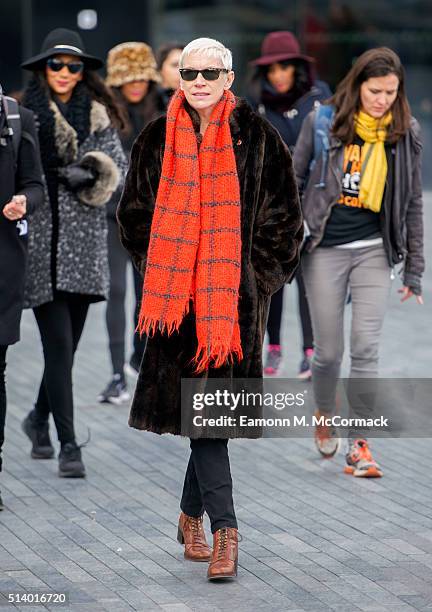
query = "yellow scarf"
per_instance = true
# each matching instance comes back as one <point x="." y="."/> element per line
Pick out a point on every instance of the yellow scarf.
<point x="374" y="160"/>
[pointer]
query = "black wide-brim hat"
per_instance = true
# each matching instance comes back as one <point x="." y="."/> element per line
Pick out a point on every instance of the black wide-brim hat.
<point x="62" y="42"/>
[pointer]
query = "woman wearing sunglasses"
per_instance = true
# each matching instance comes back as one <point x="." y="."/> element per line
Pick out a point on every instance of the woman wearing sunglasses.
<point x="83" y="163"/>
<point x="210" y="215"/>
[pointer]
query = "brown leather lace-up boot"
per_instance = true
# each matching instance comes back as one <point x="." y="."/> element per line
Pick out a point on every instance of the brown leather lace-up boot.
<point x="224" y="559"/>
<point x="191" y="534"/>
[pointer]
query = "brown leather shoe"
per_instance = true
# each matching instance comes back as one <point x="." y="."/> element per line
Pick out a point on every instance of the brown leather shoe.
<point x="224" y="559"/>
<point x="191" y="534"/>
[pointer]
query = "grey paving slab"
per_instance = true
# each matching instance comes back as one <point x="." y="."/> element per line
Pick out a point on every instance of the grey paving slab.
<point x="313" y="538"/>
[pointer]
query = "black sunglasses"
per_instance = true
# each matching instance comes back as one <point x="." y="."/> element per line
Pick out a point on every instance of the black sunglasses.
<point x="210" y="74"/>
<point x="56" y="65"/>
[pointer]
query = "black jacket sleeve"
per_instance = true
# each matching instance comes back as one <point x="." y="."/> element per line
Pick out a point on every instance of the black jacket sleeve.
<point x="28" y="180"/>
<point x="415" y="261"/>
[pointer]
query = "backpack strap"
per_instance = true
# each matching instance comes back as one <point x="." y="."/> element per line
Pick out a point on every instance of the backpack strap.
<point x="14" y="123"/>
<point x="322" y="123"/>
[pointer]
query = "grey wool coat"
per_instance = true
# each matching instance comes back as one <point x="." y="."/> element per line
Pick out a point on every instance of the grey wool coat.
<point x="68" y="232"/>
<point x="271" y="232"/>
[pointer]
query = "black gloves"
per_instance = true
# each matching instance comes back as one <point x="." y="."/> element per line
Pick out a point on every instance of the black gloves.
<point x="76" y="177"/>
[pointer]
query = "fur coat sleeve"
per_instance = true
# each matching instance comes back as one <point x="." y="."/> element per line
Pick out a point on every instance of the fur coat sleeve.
<point x="136" y="206"/>
<point x="278" y="228"/>
<point x="104" y="155"/>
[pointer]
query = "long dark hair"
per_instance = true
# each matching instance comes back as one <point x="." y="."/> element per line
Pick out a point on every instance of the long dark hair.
<point x="303" y="73"/>
<point x="373" y="63"/>
<point x="303" y="80"/>
<point x="148" y="108"/>
<point x="97" y="90"/>
<point x="100" y="92"/>
<point x="164" y="50"/>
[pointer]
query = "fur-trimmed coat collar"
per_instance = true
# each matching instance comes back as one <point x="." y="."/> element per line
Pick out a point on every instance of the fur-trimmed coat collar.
<point x="63" y="127"/>
<point x="66" y="136"/>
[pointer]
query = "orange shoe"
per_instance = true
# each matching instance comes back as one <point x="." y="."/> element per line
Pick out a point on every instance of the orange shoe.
<point x="360" y="462"/>
<point x="326" y="438"/>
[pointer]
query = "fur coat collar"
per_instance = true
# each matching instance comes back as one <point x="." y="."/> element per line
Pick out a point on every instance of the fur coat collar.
<point x="64" y="127"/>
<point x="66" y="136"/>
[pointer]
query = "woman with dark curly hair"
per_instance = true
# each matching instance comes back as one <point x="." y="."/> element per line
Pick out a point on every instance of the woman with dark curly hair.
<point x="83" y="163"/>
<point x="284" y="90"/>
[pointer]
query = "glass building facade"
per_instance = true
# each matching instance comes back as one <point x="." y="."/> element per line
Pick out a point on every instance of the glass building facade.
<point x="335" y="32"/>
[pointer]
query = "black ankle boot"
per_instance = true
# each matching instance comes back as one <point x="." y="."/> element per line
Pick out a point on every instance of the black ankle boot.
<point x="70" y="461"/>
<point x="39" y="437"/>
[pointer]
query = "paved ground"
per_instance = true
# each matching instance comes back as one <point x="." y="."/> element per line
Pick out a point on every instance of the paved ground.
<point x="313" y="538"/>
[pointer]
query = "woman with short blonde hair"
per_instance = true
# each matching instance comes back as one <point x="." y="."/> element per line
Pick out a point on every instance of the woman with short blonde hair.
<point x="211" y="217"/>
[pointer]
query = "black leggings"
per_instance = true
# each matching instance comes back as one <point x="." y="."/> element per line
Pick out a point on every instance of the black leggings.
<point x="118" y="259"/>
<point x="3" y="349"/>
<point x="60" y="323"/>
<point x="275" y="315"/>
<point x="208" y="484"/>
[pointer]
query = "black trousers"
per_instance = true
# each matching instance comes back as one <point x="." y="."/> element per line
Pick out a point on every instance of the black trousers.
<point x="275" y="315"/>
<point x="208" y="484"/>
<point x="118" y="260"/>
<point x="60" y="323"/>
<point x="3" y="350"/>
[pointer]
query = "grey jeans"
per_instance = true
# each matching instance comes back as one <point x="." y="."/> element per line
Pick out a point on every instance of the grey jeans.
<point x="329" y="273"/>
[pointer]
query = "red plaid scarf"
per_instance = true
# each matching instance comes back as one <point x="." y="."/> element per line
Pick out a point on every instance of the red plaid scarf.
<point x="195" y="242"/>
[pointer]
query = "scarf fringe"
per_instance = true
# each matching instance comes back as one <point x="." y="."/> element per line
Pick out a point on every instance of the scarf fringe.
<point x="150" y="325"/>
<point x="217" y="343"/>
<point x="219" y="354"/>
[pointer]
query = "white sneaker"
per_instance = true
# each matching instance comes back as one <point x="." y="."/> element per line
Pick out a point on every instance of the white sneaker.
<point x="115" y="392"/>
<point x="130" y="370"/>
<point x="327" y="439"/>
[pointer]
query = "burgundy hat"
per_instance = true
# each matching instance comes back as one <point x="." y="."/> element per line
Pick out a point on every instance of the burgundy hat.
<point x="280" y="46"/>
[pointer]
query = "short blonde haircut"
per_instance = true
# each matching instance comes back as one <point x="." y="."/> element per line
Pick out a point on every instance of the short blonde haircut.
<point x="208" y="47"/>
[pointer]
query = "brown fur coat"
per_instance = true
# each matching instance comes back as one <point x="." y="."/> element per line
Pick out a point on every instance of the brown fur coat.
<point x="271" y="227"/>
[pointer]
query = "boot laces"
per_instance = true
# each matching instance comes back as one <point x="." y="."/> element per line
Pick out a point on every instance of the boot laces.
<point x="83" y="444"/>
<point x="223" y="541"/>
<point x="72" y="449"/>
<point x="195" y="523"/>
